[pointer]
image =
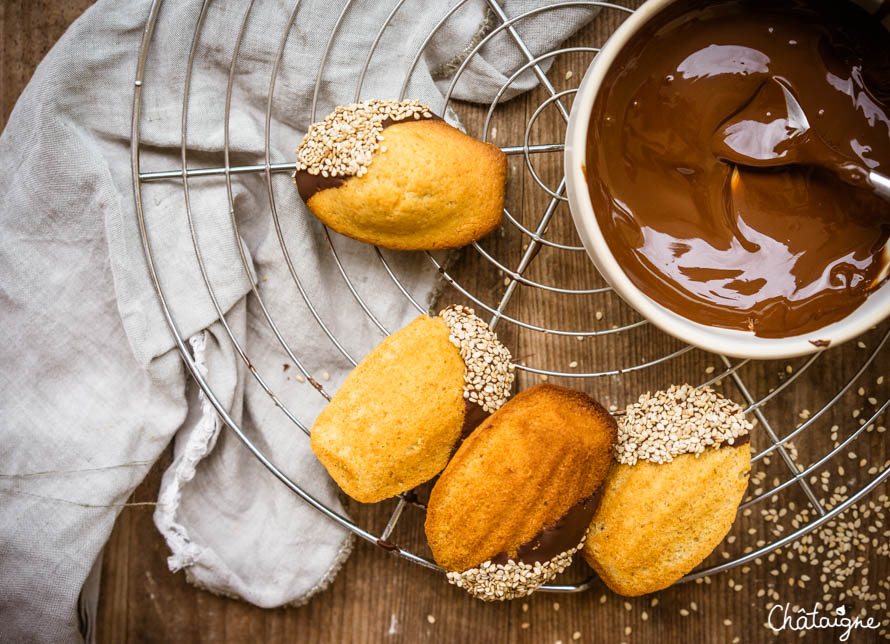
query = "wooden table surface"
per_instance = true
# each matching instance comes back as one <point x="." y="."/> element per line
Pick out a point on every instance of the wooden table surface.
<point x="379" y="598"/>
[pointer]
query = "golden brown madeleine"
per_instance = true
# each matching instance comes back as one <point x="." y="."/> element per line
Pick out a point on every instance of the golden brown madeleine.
<point x="685" y="462"/>
<point x="394" y="422"/>
<point x="536" y="461"/>
<point x="392" y="174"/>
<point x="655" y="523"/>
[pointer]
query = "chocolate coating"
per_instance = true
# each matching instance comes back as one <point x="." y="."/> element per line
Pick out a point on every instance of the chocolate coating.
<point x="566" y="533"/>
<point x="308" y="184"/>
<point x="472" y="419"/>
<point x="563" y="535"/>
<point x="744" y="439"/>
<point x="710" y="203"/>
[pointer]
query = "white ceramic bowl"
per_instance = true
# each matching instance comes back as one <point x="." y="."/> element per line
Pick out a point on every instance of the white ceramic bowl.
<point x="730" y="342"/>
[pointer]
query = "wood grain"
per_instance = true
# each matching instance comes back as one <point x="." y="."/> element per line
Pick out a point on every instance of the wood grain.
<point x="377" y="597"/>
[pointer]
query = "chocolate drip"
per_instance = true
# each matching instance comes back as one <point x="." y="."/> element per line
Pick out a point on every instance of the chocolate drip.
<point x="710" y="199"/>
<point x="562" y="536"/>
<point x="309" y="184"/>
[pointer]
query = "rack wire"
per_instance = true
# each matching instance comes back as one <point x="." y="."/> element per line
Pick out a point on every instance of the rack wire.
<point x="537" y="237"/>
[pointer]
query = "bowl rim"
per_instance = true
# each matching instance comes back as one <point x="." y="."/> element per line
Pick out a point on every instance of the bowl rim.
<point x="730" y="342"/>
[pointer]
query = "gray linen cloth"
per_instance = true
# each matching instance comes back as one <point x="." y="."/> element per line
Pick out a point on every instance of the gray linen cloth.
<point x="93" y="388"/>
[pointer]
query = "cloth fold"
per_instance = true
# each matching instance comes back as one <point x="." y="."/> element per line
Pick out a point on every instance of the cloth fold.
<point x="93" y="386"/>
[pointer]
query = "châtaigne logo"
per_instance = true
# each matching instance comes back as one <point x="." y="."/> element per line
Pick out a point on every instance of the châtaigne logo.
<point x="781" y="617"/>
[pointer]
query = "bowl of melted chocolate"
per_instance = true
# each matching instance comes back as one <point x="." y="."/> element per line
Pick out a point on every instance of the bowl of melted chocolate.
<point x="726" y="167"/>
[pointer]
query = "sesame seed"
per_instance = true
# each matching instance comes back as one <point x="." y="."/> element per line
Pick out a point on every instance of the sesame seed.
<point x="431" y="619"/>
<point x="497" y="582"/>
<point x="344" y="143"/>
<point x="488" y="379"/>
<point x="568" y="74"/>
<point x="681" y="420"/>
<point x="576" y="635"/>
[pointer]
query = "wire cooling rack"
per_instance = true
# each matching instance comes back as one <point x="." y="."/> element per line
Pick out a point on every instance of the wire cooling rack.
<point x="526" y="302"/>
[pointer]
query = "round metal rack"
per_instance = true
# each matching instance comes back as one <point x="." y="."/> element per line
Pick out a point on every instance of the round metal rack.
<point x="516" y="277"/>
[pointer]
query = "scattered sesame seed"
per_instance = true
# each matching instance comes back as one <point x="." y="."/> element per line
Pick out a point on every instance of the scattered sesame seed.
<point x="300" y="378"/>
<point x="325" y="376"/>
<point x="568" y="74"/>
<point x="573" y="364"/>
<point x="488" y="379"/>
<point x="556" y="606"/>
<point x="576" y="635"/>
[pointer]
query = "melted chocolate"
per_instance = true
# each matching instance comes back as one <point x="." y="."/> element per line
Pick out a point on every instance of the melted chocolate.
<point x="309" y="184"/>
<point x="744" y="439"/>
<point x="566" y="533"/>
<point x="712" y="204"/>
<point x="472" y="419"/>
<point x="563" y="535"/>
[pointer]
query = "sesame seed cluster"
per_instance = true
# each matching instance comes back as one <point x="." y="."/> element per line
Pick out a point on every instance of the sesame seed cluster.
<point x="681" y="420"/>
<point x="489" y="375"/>
<point x="343" y="143"/>
<point x="497" y="582"/>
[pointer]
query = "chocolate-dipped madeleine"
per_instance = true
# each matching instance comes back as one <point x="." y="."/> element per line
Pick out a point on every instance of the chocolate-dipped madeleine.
<point x="396" y="419"/>
<point x="683" y="464"/>
<point x="393" y="174"/>
<point x="513" y="505"/>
